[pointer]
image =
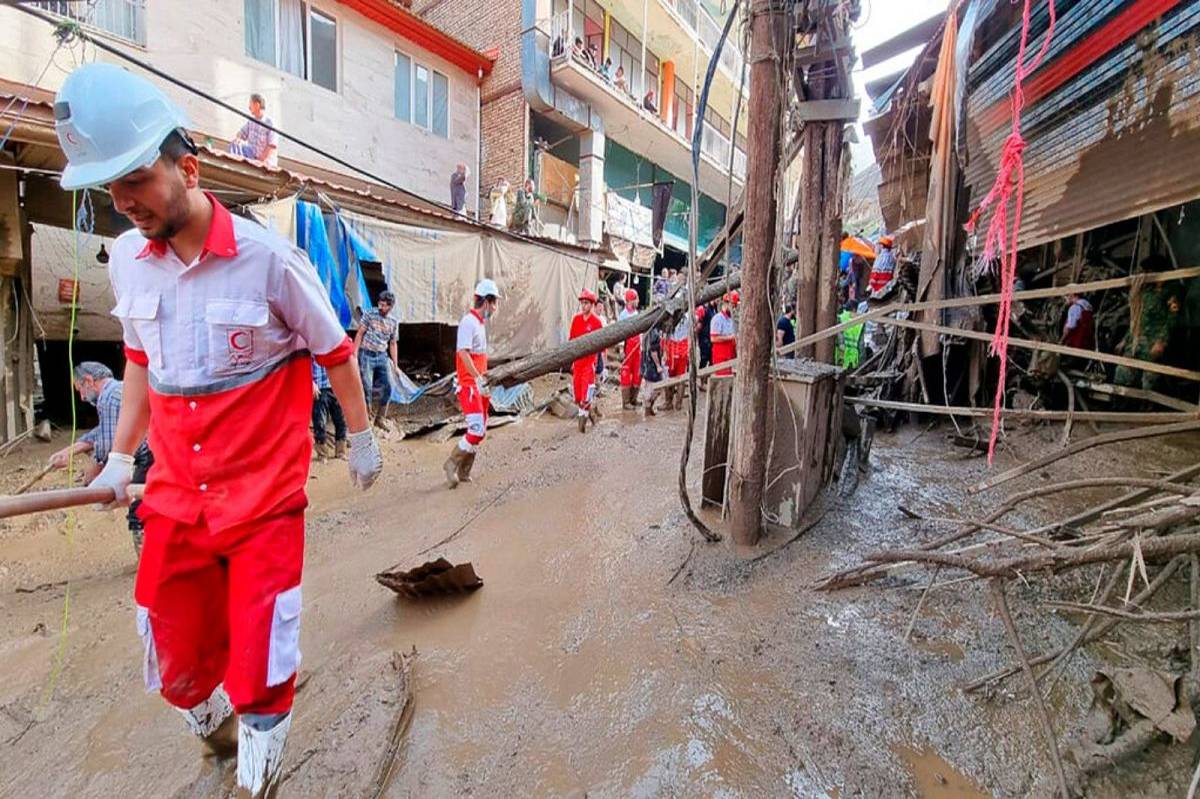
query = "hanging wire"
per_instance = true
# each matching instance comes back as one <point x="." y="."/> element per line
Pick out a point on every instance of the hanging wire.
<point x="85" y="219"/>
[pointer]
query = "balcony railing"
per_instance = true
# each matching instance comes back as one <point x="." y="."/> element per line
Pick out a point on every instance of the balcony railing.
<point x="125" y="19"/>
<point x="712" y="144"/>
<point x="709" y="32"/>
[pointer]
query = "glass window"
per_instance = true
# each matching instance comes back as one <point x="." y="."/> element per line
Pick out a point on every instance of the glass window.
<point x="323" y="53"/>
<point x="441" y="105"/>
<point x="403" y="88"/>
<point x="421" y="97"/>
<point x="260" y="30"/>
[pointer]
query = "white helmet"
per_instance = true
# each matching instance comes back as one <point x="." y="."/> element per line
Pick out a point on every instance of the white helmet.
<point x="109" y="123"/>
<point x="487" y="288"/>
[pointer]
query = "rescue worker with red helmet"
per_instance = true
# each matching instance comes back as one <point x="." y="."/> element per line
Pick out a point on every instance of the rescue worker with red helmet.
<point x="221" y="319"/>
<point x="631" y="363"/>
<point x="723" y="335"/>
<point x="583" y="370"/>
<point x="884" y="268"/>
<point x="471" y="363"/>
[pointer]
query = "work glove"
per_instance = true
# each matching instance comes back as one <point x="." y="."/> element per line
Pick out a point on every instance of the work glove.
<point x="117" y="474"/>
<point x="365" y="461"/>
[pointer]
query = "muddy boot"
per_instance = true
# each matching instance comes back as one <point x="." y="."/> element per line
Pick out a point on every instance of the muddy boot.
<point x="214" y="723"/>
<point x="594" y="413"/>
<point x="381" y="421"/>
<point x="626" y="398"/>
<point x="453" y="466"/>
<point x="260" y="756"/>
<point x="649" y="406"/>
<point x="339" y="449"/>
<point x="679" y="392"/>
<point x="583" y="420"/>
<point x="465" y="466"/>
<point x="633" y="396"/>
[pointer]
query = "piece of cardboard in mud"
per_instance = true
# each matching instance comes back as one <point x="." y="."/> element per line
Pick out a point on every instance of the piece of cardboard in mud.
<point x="432" y="578"/>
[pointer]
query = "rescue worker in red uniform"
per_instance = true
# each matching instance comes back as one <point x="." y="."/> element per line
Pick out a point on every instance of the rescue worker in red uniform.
<point x="631" y="362"/>
<point x="219" y="317"/>
<point x="1079" y="330"/>
<point x="471" y="363"/>
<point x="723" y="335"/>
<point x="884" y="268"/>
<point x="583" y="370"/>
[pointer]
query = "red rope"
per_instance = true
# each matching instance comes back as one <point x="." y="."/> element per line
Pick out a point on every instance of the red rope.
<point x="1000" y="245"/>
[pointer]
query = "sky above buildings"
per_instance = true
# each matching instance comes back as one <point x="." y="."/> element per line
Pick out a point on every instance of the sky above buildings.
<point x="881" y="20"/>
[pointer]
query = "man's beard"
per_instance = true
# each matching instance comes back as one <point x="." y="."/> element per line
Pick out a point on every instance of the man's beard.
<point x="176" y="216"/>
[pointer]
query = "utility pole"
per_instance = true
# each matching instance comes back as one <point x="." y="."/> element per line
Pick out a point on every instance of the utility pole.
<point x="748" y="461"/>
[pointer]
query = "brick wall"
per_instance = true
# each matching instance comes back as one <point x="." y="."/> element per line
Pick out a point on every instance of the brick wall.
<point x="492" y="26"/>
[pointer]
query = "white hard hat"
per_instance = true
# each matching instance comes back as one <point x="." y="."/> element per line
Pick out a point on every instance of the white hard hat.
<point x="109" y="123"/>
<point x="487" y="288"/>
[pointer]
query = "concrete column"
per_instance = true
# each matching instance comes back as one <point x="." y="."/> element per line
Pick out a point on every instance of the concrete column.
<point x="590" y="229"/>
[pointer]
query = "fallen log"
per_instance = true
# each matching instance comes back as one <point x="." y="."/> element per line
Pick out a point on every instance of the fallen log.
<point x="541" y="363"/>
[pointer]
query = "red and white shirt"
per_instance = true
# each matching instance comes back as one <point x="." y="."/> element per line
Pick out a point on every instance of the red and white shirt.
<point x="226" y="340"/>
<point x="472" y="337"/>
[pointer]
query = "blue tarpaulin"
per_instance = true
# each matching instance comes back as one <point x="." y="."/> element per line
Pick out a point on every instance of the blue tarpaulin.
<point x="312" y="237"/>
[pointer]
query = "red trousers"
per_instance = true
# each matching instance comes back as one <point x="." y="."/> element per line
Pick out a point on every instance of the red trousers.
<point x="677" y="357"/>
<point x="583" y="381"/>
<point x="475" y="408"/>
<point x="223" y="606"/>
<point x="723" y="351"/>
<point x="631" y="366"/>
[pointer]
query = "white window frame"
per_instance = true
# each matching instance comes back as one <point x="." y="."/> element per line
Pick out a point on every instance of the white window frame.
<point x="311" y="8"/>
<point x="414" y="64"/>
<point x="307" y="9"/>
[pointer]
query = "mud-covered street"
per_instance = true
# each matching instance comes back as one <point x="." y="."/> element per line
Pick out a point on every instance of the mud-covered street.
<point x="577" y="669"/>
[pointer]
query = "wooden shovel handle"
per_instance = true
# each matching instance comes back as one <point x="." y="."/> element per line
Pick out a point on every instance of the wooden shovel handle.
<point x="40" y="501"/>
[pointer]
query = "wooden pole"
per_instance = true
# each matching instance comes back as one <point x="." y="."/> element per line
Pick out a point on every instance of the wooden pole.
<point x="830" y="232"/>
<point x="748" y="462"/>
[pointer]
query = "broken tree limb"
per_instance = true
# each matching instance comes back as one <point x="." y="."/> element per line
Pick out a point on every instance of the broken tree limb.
<point x="1039" y="702"/>
<point x="1128" y="417"/>
<point x="1085" y="636"/>
<point x="1085" y="444"/>
<point x="1165" y="617"/>
<point x="1057" y="561"/>
<point x="1135" y="393"/>
<point x="540" y="363"/>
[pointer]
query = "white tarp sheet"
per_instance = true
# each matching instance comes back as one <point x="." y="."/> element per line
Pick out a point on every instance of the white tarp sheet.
<point x="433" y="273"/>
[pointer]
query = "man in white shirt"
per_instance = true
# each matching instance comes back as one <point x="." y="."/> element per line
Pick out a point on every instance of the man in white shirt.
<point x="471" y="363"/>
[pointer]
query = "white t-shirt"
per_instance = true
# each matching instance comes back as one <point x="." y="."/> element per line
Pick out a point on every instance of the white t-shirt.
<point x="472" y="335"/>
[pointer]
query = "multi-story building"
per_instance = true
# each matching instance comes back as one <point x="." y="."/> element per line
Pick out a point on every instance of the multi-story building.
<point x="364" y="80"/>
<point x="586" y="133"/>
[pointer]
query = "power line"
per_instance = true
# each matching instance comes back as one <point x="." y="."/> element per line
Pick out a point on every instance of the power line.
<point x="99" y="43"/>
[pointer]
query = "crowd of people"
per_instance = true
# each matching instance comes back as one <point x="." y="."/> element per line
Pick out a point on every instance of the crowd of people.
<point x="589" y="56"/>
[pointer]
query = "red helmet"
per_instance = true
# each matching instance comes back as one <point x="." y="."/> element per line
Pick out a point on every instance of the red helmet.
<point x="886" y="241"/>
<point x="732" y="298"/>
<point x="588" y="295"/>
<point x="630" y="295"/>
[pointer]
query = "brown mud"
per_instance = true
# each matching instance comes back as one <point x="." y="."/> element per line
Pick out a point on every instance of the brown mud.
<point x="576" y="670"/>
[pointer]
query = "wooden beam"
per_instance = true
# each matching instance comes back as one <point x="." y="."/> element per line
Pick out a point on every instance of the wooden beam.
<point x="1104" y="417"/>
<point x="828" y="110"/>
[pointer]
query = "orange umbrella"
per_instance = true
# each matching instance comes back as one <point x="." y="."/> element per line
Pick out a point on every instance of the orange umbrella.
<point x="856" y="246"/>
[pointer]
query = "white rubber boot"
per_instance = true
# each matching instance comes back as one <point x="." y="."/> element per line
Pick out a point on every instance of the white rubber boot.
<point x="260" y="758"/>
<point x="212" y="721"/>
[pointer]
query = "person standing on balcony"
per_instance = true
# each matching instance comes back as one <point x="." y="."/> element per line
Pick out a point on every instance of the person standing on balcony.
<point x="606" y="71"/>
<point x="254" y="141"/>
<point x="458" y="189"/>
<point x="525" y="210"/>
<point x="499" y="198"/>
<point x="619" y="79"/>
<point x="593" y="56"/>
<point x="648" y="102"/>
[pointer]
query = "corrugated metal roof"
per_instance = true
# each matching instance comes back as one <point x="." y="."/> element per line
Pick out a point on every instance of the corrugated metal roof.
<point x="1117" y="139"/>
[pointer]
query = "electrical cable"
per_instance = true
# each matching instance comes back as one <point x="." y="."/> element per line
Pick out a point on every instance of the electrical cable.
<point x="693" y="233"/>
<point x="113" y="50"/>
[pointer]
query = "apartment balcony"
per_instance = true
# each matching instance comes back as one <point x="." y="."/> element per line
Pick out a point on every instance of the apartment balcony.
<point x="644" y="132"/>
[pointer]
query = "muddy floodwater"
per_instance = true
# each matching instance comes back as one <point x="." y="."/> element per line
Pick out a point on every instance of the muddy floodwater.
<point x="579" y="669"/>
